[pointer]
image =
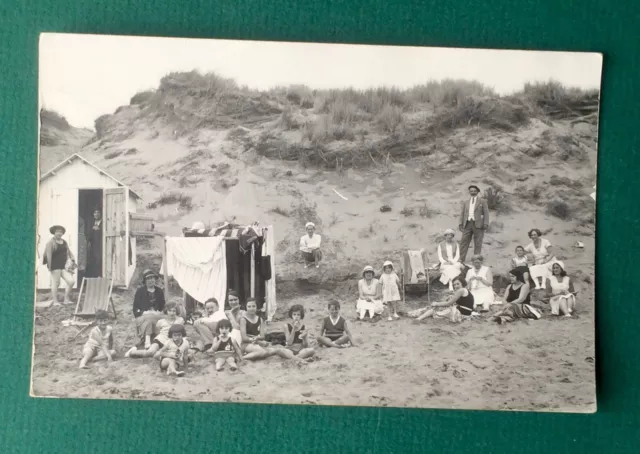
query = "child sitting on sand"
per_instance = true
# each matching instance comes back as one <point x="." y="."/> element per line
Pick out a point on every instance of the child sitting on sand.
<point x="225" y="348"/>
<point x="174" y="355"/>
<point x="296" y="336"/>
<point x="100" y="343"/>
<point x="390" y="290"/>
<point x="163" y="325"/>
<point x="334" y="331"/>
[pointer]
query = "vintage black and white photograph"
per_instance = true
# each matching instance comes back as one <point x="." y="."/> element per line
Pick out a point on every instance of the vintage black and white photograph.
<point x="319" y="224"/>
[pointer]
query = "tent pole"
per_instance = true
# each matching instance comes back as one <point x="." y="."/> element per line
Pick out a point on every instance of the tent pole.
<point x="253" y="271"/>
<point x="164" y="268"/>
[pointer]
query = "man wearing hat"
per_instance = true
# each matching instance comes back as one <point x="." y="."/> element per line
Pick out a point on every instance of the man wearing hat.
<point x="474" y="220"/>
<point x="94" y="245"/>
<point x="310" y="246"/>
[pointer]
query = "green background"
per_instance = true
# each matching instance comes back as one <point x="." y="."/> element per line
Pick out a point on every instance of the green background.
<point x="65" y="426"/>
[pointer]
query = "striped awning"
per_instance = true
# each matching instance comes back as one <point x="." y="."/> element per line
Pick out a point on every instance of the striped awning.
<point x="226" y="230"/>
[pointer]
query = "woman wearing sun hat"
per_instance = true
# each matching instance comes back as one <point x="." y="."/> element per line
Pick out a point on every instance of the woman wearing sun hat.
<point x="59" y="260"/>
<point x="310" y="246"/>
<point x="369" y="294"/>
<point x="449" y="256"/>
<point x="148" y="304"/>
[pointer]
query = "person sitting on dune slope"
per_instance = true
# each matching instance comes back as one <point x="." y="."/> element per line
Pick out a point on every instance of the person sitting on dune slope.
<point x="310" y="246"/>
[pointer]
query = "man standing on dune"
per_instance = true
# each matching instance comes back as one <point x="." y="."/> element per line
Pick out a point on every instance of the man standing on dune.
<point x="474" y="220"/>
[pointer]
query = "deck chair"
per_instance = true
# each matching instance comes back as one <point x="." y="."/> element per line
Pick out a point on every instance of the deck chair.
<point x="97" y="296"/>
<point x="416" y="275"/>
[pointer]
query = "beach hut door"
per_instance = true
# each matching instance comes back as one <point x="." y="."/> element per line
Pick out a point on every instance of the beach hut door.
<point x="116" y="235"/>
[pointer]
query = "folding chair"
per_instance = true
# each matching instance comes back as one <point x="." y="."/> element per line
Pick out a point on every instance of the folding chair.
<point x="97" y="296"/>
<point x="415" y="274"/>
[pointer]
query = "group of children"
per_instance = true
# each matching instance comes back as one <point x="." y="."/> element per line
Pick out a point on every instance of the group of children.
<point x="174" y="351"/>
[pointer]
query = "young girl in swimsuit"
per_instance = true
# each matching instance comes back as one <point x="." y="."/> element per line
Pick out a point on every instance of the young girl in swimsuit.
<point x="334" y="331"/>
<point x="297" y="336"/>
<point x="224" y="347"/>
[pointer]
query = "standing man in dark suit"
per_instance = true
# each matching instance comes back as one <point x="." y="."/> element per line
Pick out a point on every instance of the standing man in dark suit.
<point x="94" y="245"/>
<point x="474" y="220"/>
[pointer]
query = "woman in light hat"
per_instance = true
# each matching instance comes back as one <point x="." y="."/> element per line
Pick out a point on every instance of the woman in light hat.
<point x="310" y="246"/>
<point x="449" y="256"/>
<point x="390" y="290"/>
<point x="60" y="261"/>
<point x="560" y="289"/>
<point x="148" y="307"/>
<point x="369" y="294"/>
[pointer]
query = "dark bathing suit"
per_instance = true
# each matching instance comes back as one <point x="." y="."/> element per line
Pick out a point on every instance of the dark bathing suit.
<point x="514" y="294"/>
<point x="465" y="304"/>
<point x="333" y="332"/>
<point x="253" y="329"/>
<point x="296" y="346"/>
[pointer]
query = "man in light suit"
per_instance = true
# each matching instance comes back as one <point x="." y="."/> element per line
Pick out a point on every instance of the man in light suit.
<point x="474" y="220"/>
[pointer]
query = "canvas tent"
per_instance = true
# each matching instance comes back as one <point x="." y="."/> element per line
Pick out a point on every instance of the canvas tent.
<point x="67" y="195"/>
<point x="208" y="262"/>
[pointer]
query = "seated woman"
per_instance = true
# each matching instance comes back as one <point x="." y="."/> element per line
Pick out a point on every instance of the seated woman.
<point x="369" y="294"/>
<point x="234" y="315"/>
<point x="480" y="282"/>
<point x="458" y="304"/>
<point x="148" y="307"/>
<point x="449" y="256"/>
<point x="517" y="296"/>
<point x="543" y="257"/>
<point x="253" y="330"/>
<point x="560" y="289"/>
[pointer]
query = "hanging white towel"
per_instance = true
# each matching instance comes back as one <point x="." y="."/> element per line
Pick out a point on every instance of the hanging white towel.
<point x="199" y="266"/>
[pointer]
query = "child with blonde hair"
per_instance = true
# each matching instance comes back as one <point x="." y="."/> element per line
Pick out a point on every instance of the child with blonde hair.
<point x="390" y="290"/>
<point x="100" y="343"/>
<point x="163" y="325"/>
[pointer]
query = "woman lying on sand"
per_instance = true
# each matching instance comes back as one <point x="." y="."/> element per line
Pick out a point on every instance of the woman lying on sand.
<point x="560" y="289"/>
<point x="458" y="304"/>
<point x="334" y="331"/>
<point x="517" y="297"/>
<point x="162" y="327"/>
<point x="369" y="295"/>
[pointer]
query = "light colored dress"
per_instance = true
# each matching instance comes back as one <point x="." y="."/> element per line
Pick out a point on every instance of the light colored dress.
<point x="369" y="290"/>
<point x="556" y="289"/>
<point x="163" y="326"/>
<point x="483" y="295"/>
<point x="540" y="269"/>
<point x="390" y="291"/>
<point x="449" y="251"/>
<point x="519" y="261"/>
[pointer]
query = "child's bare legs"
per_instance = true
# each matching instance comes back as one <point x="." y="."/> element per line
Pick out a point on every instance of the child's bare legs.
<point x="170" y="365"/>
<point x="338" y="343"/>
<point x="231" y="361"/>
<point x="87" y="354"/>
<point x="101" y="356"/>
<point x="306" y="353"/>
<point x="220" y="362"/>
<point x="148" y="353"/>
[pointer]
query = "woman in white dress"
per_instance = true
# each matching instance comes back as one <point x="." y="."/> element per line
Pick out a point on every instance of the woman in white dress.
<point x="480" y="282"/>
<point x="369" y="295"/>
<point x="560" y="289"/>
<point x="449" y="256"/>
<point x="543" y="258"/>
